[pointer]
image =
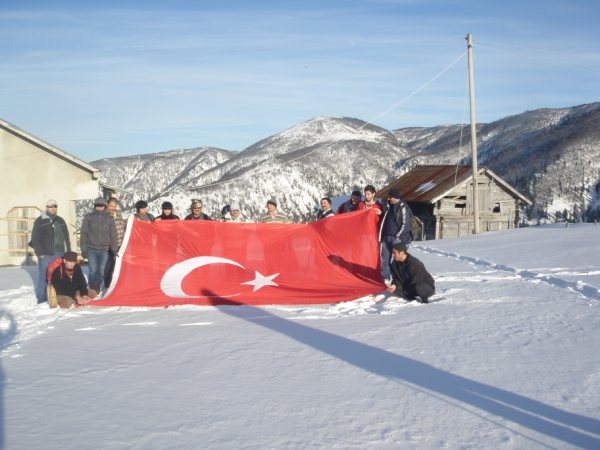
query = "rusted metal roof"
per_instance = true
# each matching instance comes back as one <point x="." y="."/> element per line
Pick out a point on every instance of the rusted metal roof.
<point x="427" y="184"/>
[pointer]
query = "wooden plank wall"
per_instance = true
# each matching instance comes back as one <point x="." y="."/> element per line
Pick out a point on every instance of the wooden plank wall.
<point x="497" y="209"/>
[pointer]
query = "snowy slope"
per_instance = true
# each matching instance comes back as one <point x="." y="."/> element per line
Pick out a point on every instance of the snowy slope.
<point x="506" y="357"/>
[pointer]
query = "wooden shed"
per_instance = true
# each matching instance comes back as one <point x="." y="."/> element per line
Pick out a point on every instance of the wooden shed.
<point x="442" y="198"/>
<point x="32" y="172"/>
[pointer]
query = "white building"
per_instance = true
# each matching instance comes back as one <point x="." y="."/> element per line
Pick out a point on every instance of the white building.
<point x="31" y="172"/>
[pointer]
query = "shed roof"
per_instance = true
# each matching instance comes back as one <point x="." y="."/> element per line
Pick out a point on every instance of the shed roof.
<point x="43" y="145"/>
<point x="428" y="184"/>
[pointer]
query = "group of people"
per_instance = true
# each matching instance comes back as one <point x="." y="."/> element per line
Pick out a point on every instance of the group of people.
<point x="404" y="274"/>
<point x="103" y="229"/>
<point x="101" y="235"/>
<point x="230" y="213"/>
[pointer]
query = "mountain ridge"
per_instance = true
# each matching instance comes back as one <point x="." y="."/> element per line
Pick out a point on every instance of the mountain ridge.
<point x="548" y="154"/>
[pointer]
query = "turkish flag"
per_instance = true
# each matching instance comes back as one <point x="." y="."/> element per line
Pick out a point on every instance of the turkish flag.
<point x="174" y="262"/>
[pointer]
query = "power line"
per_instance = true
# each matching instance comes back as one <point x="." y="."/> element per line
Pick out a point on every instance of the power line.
<point x="370" y="122"/>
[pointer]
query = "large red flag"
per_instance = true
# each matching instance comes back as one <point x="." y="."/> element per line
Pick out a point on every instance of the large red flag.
<point x="206" y="263"/>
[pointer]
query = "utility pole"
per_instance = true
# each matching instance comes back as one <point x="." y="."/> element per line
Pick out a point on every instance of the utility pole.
<point x="469" y="39"/>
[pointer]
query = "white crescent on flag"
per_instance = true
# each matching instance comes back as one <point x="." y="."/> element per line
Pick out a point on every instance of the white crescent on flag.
<point x="172" y="279"/>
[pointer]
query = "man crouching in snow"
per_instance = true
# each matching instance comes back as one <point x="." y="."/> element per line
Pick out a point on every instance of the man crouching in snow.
<point x="68" y="283"/>
<point x="410" y="279"/>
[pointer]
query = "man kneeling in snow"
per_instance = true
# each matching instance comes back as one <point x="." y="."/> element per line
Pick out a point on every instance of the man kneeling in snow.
<point x="68" y="283"/>
<point x="410" y="279"/>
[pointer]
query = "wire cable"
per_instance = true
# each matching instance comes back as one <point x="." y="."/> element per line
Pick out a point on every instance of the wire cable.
<point x="324" y="146"/>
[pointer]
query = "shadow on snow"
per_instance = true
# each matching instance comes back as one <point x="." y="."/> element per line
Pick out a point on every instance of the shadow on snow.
<point x="8" y="331"/>
<point x="548" y="420"/>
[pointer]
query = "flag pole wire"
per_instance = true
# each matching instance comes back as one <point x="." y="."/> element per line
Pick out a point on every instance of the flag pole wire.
<point x="324" y="146"/>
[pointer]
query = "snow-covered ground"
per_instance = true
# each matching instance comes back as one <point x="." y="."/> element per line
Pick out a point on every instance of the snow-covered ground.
<point x="506" y="356"/>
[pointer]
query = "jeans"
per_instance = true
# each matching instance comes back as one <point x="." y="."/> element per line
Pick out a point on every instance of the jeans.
<point x="41" y="286"/>
<point x="96" y="262"/>
<point x="386" y="255"/>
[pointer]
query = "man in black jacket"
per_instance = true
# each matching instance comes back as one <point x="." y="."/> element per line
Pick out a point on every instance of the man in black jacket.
<point x="353" y="204"/>
<point x="69" y="283"/>
<point x="410" y="279"/>
<point x="396" y="225"/>
<point x="49" y="239"/>
<point x="325" y="210"/>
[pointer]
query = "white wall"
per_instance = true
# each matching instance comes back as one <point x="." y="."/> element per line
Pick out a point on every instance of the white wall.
<point x="30" y="175"/>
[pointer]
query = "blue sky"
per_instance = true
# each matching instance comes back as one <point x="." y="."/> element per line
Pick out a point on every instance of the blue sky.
<point x="113" y="78"/>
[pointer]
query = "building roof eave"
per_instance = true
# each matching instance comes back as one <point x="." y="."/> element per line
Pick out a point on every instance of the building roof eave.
<point x="40" y="143"/>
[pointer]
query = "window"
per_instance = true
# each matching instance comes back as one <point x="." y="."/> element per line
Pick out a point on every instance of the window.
<point x="20" y="223"/>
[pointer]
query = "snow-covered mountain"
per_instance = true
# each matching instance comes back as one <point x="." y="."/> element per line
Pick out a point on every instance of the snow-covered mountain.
<point x="146" y="176"/>
<point x="550" y="155"/>
<point x="323" y="156"/>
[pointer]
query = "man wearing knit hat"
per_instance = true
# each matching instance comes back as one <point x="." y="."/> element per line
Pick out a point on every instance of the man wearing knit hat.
<point x="273" y="216"/>
<point x="98" y="236"/>
<point x="410" y="279"/>
<point x="234" y="214"/>
<point x="167" y="212"/>
<point x="395" y="225"/>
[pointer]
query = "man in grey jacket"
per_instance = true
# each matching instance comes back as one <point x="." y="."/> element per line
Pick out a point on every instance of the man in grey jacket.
<point x="98" y="235"/>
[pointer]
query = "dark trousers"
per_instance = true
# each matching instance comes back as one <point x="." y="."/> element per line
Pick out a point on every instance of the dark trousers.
<point x="109" y="268"/>
<point x="421" y="290"/>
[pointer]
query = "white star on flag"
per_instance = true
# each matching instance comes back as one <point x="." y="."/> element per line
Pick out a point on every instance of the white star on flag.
<point x="261" y="281"/>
